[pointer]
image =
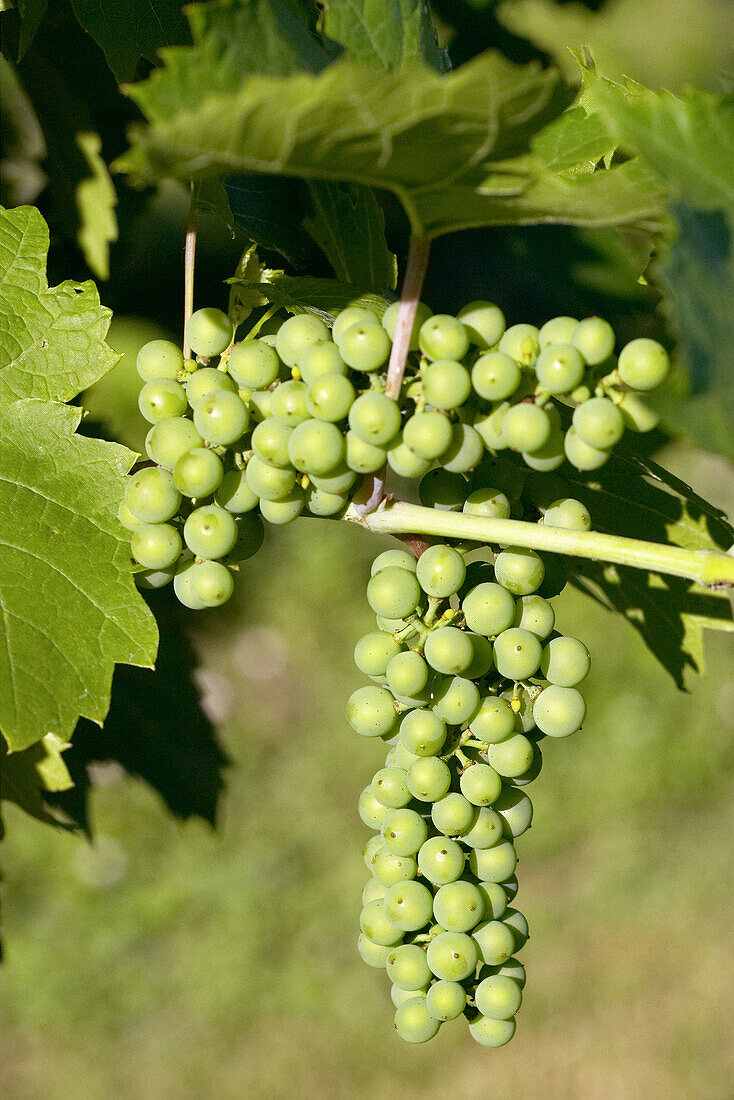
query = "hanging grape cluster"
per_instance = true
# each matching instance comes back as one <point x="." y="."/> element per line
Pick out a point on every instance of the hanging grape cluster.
<point x="287" y="422"/>
<point x="468" y="676"/>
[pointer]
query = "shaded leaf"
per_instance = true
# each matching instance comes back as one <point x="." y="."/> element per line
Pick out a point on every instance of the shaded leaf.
<point x="386" y="33"/>
<point x="349" y="227"/>
<point x="23" y="147"/>
<point x="576" y="141"/>
<point x="126" y="32"/>
<point x="70" y="607"/>
<point x="27" y="777"/>
<point x="270" y="210"/>
<point x="324" y="297"/>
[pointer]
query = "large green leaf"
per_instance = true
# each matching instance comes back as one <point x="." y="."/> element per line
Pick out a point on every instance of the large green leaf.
<point x="349" y="226"/>
<point x="52" y="337"/>
<point x="386" y="33"/>
<point x="69" y="604"/>
<point x="305" y="294"/>
<point x="131" y="30"/>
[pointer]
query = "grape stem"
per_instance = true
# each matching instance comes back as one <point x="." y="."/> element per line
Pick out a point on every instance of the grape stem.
<point x="711" y="568"/>
<point x="415" y="273"/>
<point x="192" y="225"/>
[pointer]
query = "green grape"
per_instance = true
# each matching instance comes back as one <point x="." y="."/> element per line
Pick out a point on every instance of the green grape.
<point x="511" y="757"/>
<point x="288" y="403"/>
<point x="390" y="788"/>
<point x="253" y="364"/>
<point x="526" y="427"/>
<point x="486" y="830"/>
<point x="580" y="454"/>
<point x="298" y="333"/>
<point x="533" y="771"/>
<point x="389" y="868"/>
<point x="319" y="358"/>
<point x="482" y="660"/>
<point x="560" y="368"/>
<point x="446" y="383"/>
<point x="365" y="347"/>
<point x="182" y="587"/>
<point x="370" y="711"/>
<point x="151" y="495"/>
<point x="261" y="402"/>
<point x="370" y="850"/>
<point x="456" y="701"/>
<point x="339" y="481"/>
<point x="498" y="997"/>
<point x="442" y="490"/>
<point x="374" y="954"/>
<point x="559" y="711"/>
<point x="594" y="338"/>
<point x="399" y="996"/>
<point x="207" y="380"/>
<point x="511" y="969"/>
<point x="171" y="438"/>
<point x="162" y="398"/>
<point x="422" y="732"/>
<point x="390" y="320"/>
<point x="372" y="812"/>
<point x="558" y="330"/>
<point x="515" y="809"/>
<point x="494" y="940"/>
<point x="284" y="510"/>
<point x="373" y="890"/>
<point x="316" y="446"/>
<point x="568" y="513"/>
<point x="484" y="323"/>
<point x="409" y="905"/>
<point x="643" y="364"/>
<point x="446" y="1000"/>
<point x="330" y="397"/>
<point x="129" y="521"/>
<point x="518" y="924"/>
<point x="443" y="337"/>
<point x="212" y="583"/>
<point x="320" y="503"/>
<point x="269" y="441"/>
<point x="480" y="784"/>
<point x="363" y="457"/>
<point x="548" y="457"/>
<point x="198" y="473"/>
<point x="155" y="578"/>
<point x="453" y="814"/>
<point x="491" y="1033"/>
<point x="414" y="1023"/>
<point x="565" y="661"/>
<point x="428" y="779"/>
<point x="250" y="535"/>
<point x="458" y="906"/>
<point x="393" y="592"/>
<point x="401" y="559"/>
<point x="487" y="502"/>
<point x="464" y="451"/>
<point x="159" y="359"/>
<point x="403" y="461"/>
<point x="495" y="376"/>
<point x="509" y="885"/>
<point x="156" y="545"/>
<point x="489" y="426"/>
<point x="269" y="482"/>
<point x="352" y="315"/>
<point x="520" y="342"/>
<point x="210" y="532"/>
<point x="488" y="609"/>
<point x="598" y="423"/>
<point x="440" y="571"/>
<point x="449" y="650"/>
<point x="495" y="864"/>
<point x="407" y="967"/>
<point x="404" y="832"/>
<point x="637" y="416"/>
<point x="441" y="860"/>
<point x="494" y="898"/>
<point x="429" y="433"/>
<point x="208" y="332"/>
<point x="535" y="614"/>
<point x="452" y="956"/>
<point x="494" y="721"/>
<point x="377" y="926"/>
<point x="407" y="674"/>
<point x="374" y="418"/>
<point x="519" y="570"/>
<point x="374" y="652"/>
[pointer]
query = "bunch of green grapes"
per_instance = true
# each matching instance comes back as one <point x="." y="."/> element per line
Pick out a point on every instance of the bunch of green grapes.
<point x="290" y="422"/>
<point x="468" y="675"/>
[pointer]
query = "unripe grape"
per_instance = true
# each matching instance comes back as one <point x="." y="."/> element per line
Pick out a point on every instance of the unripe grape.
<point x="171" y="438"/>
<point x="559" y="330"/>
<point x="520" y="342"/>
<point x="198" y="473"/>
<point x="446" y="1000"/>
<point x="484" y="323"/>
<point x="373" y="954"/>
<point x="352" y="315"/>
<point x="210" y="532"/>
<point x="403" y="461"/>
<point x="565" y="661"/>
<point x="452" y="956"/>
<point x="151" y="495"/>
<point x="235" y="494"/>
<point x="598" y="423"/>
<point x="495" y="376"/>
<point x="207" y="380"/>
<point x="365" y="347"/>
<point x="491" y="1033"/>
<point x="519" y="570"/>
<point x="221" y="417"/>
<point x="580" y="454"/>
<point x="448" y="650"/>
<point x="488" y="608"/>
<point x="321" y="357"/>
<point x="288" y="401"/>
<point x="407" y="967"/>
<point x="559" y="711"/>
<point x="320" y="503"/>
<point x="375" y="418"/>
<point x="643" y="364"/>
<point x="330" y="397"/>
<point x="443" y="337"/>
<point x="208" y="332"/>
<point x="156" y="545"/>
<point x="517" y="653"/>
<point x="440" y="571"/>
<point x="414" y="1023"/>
<point x="253" y="364"/>
<point x="487" y="502"/>
<point x="390" y="320"/>
<point x="560" y="368"/>
<point x="364" y="458"/>
<point x="526" y="427"/>
<point x="428" y="433"/>
<point x="567" y="513"/>
<point x="269" y="482"/>
<point x="594" y="338"/>
<point x="370" y="711"/>
<point x="428" y="779"/>
<point x="162" y="398"/>
<point x="298" y="333"/>
<point x="403" y="559"/>
<point x="211" y="583"/>
<point x="498" y="997"/>
<point x="446" y="383"/>
<point x="159" y="359"/>
<point x="393" y="592"/>
<point x="316" y="446"/>
<point x="535" y="614"/>
<point x="465" y="450"/>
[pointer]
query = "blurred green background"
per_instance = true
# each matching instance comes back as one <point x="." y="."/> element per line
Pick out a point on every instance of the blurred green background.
<point x="171" y="962"/>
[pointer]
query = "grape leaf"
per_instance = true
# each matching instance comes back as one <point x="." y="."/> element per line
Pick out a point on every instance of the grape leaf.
<point x="126" y="32"/>
<point x="349" y="226"/>
<point x="386" y="33"/>
<point x="270" y="210"/>
<point x="305" y="294"/>
<point x="26" y="777"/>
<point x="23" y="147"/>
<point x="574" y="142"/>
<point x="70" y="608"/>
<point x="52" y="337"/>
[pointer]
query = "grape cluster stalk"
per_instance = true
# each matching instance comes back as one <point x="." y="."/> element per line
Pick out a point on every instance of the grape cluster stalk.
<point x="290" y="422"/>
<point x="468" y="675"/>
